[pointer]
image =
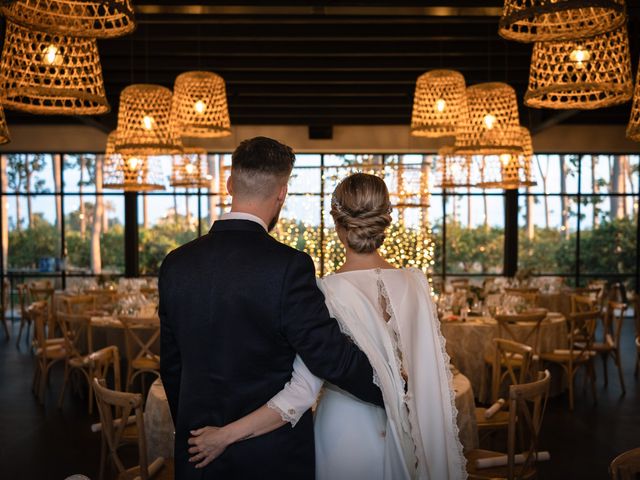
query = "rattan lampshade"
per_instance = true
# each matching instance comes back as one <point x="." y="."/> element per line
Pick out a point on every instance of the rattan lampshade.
<point x="455" y="170"/>
<point x="51" y="74"/>
<point x="633" y="128"/>
<point x="509" y="171"/>
<point x="200" y="105"/>
<point x="137" y="173"/>
<point x="439" y="104"/>
<point x="581" y="74"/>
<point x="78" y="18"/>
<point x="144" y="122"/>
<point x="4" y="129"/>
<point x="190" y="169"/>
<point x="545" y="20"/>
<point x="493" y="123"/>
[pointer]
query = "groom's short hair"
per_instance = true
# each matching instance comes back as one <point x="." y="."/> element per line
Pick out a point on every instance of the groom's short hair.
<point x="259" y="166"/>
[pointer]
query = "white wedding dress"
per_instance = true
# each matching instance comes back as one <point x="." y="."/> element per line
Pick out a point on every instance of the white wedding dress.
<point x="389" y="314"/>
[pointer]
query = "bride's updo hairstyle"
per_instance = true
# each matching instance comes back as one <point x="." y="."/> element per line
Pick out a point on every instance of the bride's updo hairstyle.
<point x="360" y="205"/>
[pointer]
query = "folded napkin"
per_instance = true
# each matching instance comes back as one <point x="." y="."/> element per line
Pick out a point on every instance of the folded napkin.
<point x="503" y="460"/>
<point x="493" y="409"/>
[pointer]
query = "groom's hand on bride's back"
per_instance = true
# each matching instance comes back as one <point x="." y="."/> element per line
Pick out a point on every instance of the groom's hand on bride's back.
<point x="308" y="326"/>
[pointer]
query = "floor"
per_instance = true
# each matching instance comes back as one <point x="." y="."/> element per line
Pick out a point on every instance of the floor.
<point x="44" y="442"/>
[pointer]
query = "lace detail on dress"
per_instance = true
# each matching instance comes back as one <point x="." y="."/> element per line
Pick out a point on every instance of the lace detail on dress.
<point x="452" y="394"/>
<point x="289" y="416"/>
<point x="392" y="326"/>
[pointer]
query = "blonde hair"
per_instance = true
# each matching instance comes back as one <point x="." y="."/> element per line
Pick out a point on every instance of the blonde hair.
<point x="361" y="206"/>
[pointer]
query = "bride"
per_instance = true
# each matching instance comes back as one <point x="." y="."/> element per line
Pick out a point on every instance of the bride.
<point x="389" y="314"/>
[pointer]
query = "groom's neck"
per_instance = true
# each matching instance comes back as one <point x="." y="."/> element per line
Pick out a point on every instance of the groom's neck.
<point x="254" y="208"/>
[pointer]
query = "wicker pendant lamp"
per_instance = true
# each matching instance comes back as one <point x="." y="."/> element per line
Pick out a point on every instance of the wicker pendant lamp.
<point x="200" y="105"/>
<point x="137" y="173"/>
<point x="455" y="170"/>
<point x="4" y="129"/>
<point x="78" y="18"/>
<point x="509" y="171"/>
<point x="144" y="122"/>
<point x="439" y="104"/>
<point x="581" y="74"/>
<point x="545" y="20"/>
<point x="51" y="74"/>
<point x="633" y="128"/>
<point x="190" y="169"/>
<point x="493" y="125"/>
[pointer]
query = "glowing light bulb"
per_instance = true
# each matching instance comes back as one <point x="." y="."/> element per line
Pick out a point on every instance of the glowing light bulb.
<point x="147" y="122"/>
<point x="133" y="163"/>
<point x="441" y="105"/>
<point x="52" y="55"/>
<point x="579" y="56"/>
<point x="199" y="106"/>
<point x="189" y="168"/>
<point x="489" y="121"/>
<point x="505" y="158"/>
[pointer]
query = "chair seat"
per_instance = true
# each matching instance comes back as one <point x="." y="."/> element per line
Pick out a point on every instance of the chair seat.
<point x="166" y="472"/>
<point x="516" y="360"/>
<point x="53" y="352"/>
<point x="499" y="420"/>
<point x="80" y="362"/>
<point x="565" y="357"/>
<point x="494" y="473"/>
<point x="602" y="347"/>
<point x="146" y="363"/>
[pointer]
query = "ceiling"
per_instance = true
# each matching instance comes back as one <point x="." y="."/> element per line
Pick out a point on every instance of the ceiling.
<point x="300" y="63"/>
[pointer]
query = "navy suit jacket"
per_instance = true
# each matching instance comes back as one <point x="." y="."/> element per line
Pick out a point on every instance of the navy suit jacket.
<point x="235" y="308"/>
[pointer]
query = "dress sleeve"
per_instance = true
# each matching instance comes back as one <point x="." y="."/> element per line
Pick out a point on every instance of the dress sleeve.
<point x="298" y="395"/>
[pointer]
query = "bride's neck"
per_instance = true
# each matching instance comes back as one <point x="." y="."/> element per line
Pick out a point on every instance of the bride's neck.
<point x="363" y="261"/>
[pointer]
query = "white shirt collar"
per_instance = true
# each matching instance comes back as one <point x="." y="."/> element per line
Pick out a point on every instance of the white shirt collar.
<point x="244" y="216"/>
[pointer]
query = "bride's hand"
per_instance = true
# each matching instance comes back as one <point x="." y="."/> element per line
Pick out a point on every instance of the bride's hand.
<point x="207" y="444"/>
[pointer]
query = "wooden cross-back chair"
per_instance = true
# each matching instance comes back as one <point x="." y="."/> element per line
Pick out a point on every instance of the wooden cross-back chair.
<point x="610" y="345"/>
<point x="626" y="466"/>
<point x="78" y="304"/>
<point x="25" y="319"/>
<point x="4" y="305"/>
<point x="527" y="404"/>
<point x="527" y="324"/>
<point x="140" y="335"/>
<point x="530" y="295"/>
<point x="460" y="284"/>
<point x="512" y="363"/>
<point x="42" y="290"/>
<point x="78" y="337"/>
<point x="116" y="409"/>
<point x="48" y="351"/>
<point x="582" y="326"/>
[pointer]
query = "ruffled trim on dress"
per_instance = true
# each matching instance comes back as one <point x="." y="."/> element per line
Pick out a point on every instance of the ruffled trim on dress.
<point x="291" y="418"/>
<point x="462" y="462"/>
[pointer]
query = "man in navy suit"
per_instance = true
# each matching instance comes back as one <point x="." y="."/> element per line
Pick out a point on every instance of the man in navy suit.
<point x="235" y="308"/>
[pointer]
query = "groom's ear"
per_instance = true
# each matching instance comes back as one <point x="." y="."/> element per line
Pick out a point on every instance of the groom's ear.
<point x="282" y="195"/>
<point x="230" y="185"/>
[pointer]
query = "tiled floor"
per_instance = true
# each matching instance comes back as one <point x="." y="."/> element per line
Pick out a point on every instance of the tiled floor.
<point x="39" y="442"/>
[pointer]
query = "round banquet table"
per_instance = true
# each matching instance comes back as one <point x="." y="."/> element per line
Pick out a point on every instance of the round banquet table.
<point x="159" y="429"/>
<point x="555" y="302"/>
<point x="158" y="425"/>
<point x="469" y="342"/>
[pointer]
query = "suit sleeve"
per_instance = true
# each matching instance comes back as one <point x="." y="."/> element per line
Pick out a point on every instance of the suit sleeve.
<point x="170" y="360"/>
<point x="317" y="338"/>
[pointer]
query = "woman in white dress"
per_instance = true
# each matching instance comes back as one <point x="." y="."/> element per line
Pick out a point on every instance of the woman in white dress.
<point x="390" y="315"/>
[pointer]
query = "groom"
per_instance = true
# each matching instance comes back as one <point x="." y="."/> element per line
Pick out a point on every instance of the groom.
<point x="235" y="308"/>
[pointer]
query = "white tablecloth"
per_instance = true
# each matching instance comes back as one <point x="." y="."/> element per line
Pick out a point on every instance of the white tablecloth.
<point x="469" y="342"/>
<point x="466" y="406"/>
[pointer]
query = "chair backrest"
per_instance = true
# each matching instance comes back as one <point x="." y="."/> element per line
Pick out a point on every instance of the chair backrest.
<point x="78" y="303"/>
<point x="527" y="403"/>
<point x="104" y="359"/>
<point x="583" y="303"/>
<point x="613" y="322"/>
<point x="76" y="330"/>
<point x="582" y="330"/>
<point x="114" y="409"/>
<point x="23" y="300"/>
<point x="512" y="361"/>
<point x="530" y="295"/>
<point x="39" y="313"/>
<point x="460" y="284"/>
<point x="40" y="290"/>
<point x="626" y="466"/>
<point x="136" y="329"/>
<point x="522" y="328"/>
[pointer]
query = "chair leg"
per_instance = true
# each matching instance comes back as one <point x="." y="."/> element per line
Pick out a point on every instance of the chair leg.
<point x="103" y="456"/>
<point x="620" y="373"/>
<point x="6" y="329"/>
<point x="20" y="332"/>
<point x="605" y="358"/>
<point x="64" y="384"/>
